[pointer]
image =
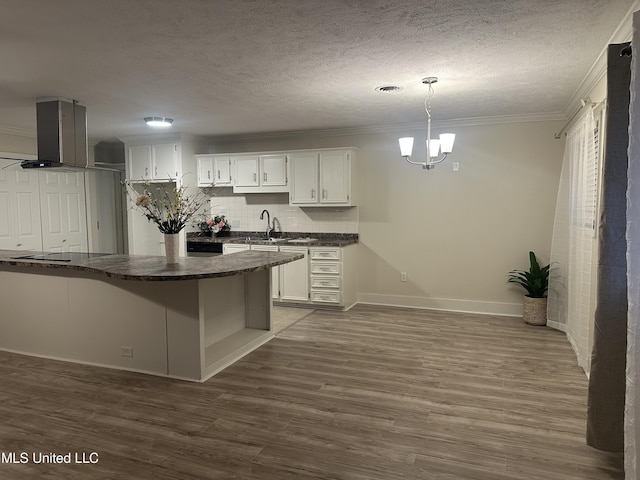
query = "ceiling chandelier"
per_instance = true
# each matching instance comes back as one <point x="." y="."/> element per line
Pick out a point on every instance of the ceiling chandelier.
<point x="443" y="145"/>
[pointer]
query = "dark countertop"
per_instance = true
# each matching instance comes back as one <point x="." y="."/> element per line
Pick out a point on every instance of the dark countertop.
<point x="148" y="268"/>
<point x="295" y="239"/>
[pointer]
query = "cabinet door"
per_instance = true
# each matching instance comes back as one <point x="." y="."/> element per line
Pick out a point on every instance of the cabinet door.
<point x="205" y="171"/>
<point x="140" y="162"/>
<point x="230" y="248"/>
<point x="246" y="170"/>
<point x="275" y="271"/>
<point x="294" y="277"/>
<point x="334" y="177"/>
<point x="274" y="170"/>
<point x="222" y="171"/>
<point x="304" y="178"/>
<point x="164" y="161"/>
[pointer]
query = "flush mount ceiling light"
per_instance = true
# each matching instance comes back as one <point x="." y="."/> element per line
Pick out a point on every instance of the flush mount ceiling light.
<point x="434" y="147"/>
<point x="158" y="121"/>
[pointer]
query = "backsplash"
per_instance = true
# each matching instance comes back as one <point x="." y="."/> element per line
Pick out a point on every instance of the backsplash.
<point x="243" y="213"/>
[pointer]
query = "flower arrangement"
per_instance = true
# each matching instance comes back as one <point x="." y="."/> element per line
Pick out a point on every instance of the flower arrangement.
<point x="214" y="225"/>
<point x="170" y="209"/>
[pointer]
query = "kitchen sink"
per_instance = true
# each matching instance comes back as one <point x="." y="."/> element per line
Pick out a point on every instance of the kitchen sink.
<point x="303" y="240"/>
<point x="261" y="240"/>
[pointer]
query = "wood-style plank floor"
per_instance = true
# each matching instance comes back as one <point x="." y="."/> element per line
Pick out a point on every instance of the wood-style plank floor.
<point x="374" y="393"/>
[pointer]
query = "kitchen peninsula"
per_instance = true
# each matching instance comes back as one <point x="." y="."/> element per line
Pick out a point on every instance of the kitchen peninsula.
<point x="187" y="321"/>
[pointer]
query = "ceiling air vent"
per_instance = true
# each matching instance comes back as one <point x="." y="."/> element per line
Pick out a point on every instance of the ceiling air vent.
<point x="389" y="89"/>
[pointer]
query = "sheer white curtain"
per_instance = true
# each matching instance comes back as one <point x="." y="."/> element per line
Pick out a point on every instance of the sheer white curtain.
<point x="632" y="403"/>
<point x="569" y="304"/>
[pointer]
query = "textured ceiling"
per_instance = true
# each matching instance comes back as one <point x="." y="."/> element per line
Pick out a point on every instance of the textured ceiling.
<point x="221" y="67"/>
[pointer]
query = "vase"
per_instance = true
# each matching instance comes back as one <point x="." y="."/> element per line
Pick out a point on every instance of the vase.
<point x="172" y="247"/>
<point x="534" y="311"/>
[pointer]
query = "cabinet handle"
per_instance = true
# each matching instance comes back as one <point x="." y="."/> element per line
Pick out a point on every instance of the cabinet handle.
<point x="208" y="174"/>
<point x="324" y="193"/>
<point x="313" y="193"/>
<point x="218" y="174"/>
<point x="255" y="177"/>
<point x="18" y="245"/>
<point x="155" y="171"/>
<point x="146" y="171"/>
<point x="265" y="176"/>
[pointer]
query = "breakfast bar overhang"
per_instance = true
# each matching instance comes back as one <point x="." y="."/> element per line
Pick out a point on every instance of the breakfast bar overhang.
<point x="138" y="313"/>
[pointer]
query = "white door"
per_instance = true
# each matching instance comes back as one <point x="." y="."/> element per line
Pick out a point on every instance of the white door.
<point x="334" y="177"/>
<point x="275" y="271"/>
<point x="294" y="277"/>
<point x="246" y="170"/>
<point x="274" y="170"/>
<point x="63" y="210"/>
<point x="165" y="161"/>
<point x="19" y="210"/>
<point x="222" y="171"/>
<point x="205" y="171"/>
<point x="304" y="178"/>
<point x="140" y="163"/>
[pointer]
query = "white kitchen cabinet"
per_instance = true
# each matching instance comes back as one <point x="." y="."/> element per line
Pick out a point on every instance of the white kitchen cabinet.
<point x="275" y="271"/>
<point x="214" y="170"/>
<point x="294" y="277"/>
<point x="333" y="276"/>
<point x="321" y="178"/>
<point x="260" y="173"/>
<point x="157" y="162"/>
<point x="228" y="248"/>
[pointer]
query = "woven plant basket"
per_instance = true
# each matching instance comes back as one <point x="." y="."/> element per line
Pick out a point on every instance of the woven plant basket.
<point x="534" y="310"/>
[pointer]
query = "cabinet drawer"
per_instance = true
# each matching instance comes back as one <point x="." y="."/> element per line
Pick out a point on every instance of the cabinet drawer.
<point x="325" y="297"/>
<point x="325" y="267"/>
<point x="325" y="253"/>
<point x="318" y="281"/>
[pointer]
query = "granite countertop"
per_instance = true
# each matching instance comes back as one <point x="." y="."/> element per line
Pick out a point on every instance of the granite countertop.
<point x="293" y="238"/>
<point x="149" y="268"/>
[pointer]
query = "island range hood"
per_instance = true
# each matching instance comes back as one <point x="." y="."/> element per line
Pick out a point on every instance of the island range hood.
<point x="62" y="134"/>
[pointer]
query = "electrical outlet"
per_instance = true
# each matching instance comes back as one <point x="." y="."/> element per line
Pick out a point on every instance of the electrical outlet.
<point x="403" y="276"/>
<point x="126" y="351"/>
<point x="456" y="166"/>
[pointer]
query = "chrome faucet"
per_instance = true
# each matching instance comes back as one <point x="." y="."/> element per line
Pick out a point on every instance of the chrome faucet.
<point x="269" y="229"/>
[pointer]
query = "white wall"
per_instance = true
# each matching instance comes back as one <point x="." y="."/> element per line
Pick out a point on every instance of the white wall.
<point x="456" y="234"/>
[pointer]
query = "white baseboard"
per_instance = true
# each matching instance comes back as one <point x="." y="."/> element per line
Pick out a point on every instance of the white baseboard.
<point x="446" y="304"/>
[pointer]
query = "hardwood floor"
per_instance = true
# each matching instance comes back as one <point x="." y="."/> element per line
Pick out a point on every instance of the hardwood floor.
<point x="374" y="393"/>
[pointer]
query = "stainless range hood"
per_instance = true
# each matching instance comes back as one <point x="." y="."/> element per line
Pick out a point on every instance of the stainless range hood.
<point x="62" y="134"/>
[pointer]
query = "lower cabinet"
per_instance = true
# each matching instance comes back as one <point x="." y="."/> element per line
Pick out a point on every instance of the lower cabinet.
<point x="294" y="277"/>
<point x="326" y="276"/>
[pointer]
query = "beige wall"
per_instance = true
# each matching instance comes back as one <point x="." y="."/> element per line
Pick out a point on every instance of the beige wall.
<point x="455" y="234"/>
<point x="18" y="144"/>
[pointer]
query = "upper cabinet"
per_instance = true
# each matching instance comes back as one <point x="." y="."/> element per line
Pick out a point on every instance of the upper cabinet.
<point x="321" y="178"/>
<point x="214" y="170"/>
<point x="157" y="162"/>
<point x="260" y="173"/>
<point x="313" y="178"/>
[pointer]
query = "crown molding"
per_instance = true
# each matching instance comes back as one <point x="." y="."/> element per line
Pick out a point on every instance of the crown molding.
<point x="381" y="129"/>
<point x="624" y="33"/>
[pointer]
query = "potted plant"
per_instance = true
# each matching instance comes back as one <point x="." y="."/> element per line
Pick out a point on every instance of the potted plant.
<point x="536" y="283"/>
